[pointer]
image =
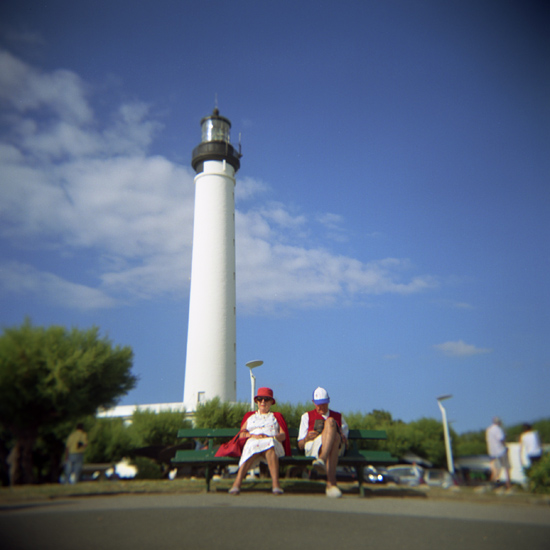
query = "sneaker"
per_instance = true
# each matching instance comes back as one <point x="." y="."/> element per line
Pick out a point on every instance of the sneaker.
<point x="319" y="466"/>
<point x="277" y="491"/>
<point x="234" y="491"/>
<point x="333" y="492"/>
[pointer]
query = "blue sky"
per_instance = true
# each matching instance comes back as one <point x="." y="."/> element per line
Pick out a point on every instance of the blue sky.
<point x="392" y="204"/>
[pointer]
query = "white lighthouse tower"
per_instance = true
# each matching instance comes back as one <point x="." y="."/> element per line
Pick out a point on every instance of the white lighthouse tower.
<point x="210" y="369"/>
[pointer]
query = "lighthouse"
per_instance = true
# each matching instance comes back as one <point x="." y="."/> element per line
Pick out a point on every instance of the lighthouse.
<point x="210" y="368"/>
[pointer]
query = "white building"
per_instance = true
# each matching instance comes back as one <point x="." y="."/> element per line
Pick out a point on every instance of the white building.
<point x="126" y="411"/>
<point x="210" y="368"/>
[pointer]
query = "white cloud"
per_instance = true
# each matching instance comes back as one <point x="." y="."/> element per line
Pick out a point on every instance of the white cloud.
<point x="278" y="214"/>
<point x="333" y="221"/>
<point x="333" y="224"/>
<point x="27" y="89"/>
<point x="249" y="188"/>
<point x="271" y="273"/>
<point x="460" y="349"/>
<point x="17" y="278"/>
<point x="76" y="184"/>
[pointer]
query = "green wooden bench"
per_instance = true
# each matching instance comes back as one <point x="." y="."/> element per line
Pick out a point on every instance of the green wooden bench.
<point x="99" y="468"/>
<point x="355" y="457"/>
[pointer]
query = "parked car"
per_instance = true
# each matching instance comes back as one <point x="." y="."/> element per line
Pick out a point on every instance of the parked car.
<point x="389" y="478"/>
<point x="407" y="474"/>
<point x="372" y="475"/>
<point x="343" y="473"/>
<point x="439" y="478"/>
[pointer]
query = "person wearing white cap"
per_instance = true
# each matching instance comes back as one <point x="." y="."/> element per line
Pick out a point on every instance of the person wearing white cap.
<point x="323" y="435"/>
<point x="497" y="451"/>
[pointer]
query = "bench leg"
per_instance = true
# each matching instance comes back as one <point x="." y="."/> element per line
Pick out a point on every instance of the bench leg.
<point x="208" y="477"/>
<point x="360" y="480"/>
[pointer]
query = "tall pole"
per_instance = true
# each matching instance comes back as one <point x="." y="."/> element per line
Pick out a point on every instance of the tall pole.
<point x="210" y="367"/>
<point x="252" y="365"/>
<point x="448" y="450"/>
<point x="252" y="390"/>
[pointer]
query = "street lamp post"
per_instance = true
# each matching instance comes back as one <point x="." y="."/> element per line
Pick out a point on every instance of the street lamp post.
<point x="450" y="465"/>
<point x="252" y="365"/>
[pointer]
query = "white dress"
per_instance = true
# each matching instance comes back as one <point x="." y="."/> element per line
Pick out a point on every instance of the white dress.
<point x="257" y="424"/>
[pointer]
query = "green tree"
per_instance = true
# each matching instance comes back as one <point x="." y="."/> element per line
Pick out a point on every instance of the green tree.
<point x="379" y="419"/>
<point x="54" y="375"/>
<point x="48" y="450"/>
<point x="291" y="413"/>
<point x="109" y="441"/>
<point x="422" y="437"/>
<point x="543" y="427"/>
<point x="157" y="428"/>
<point x="429" y="440"/>
<point x="400" y="439"/>
<point x="375" y="420"/>
<point x="471" y="443"/>
<point x="215" y="414"/>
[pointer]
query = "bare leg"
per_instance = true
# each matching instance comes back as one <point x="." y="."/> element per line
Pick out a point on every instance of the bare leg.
<point x="330" y="449"/>
<point x="273" y="465"/>
<point x="242" y="472"/>
<point x="507" y="476"/>
<point x="495" y="470"/>
<point x="332" y="462"/>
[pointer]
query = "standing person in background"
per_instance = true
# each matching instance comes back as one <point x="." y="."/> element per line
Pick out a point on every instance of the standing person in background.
<point x="530" y="447"/>
<point x="74" y="454"/>
<point x="323" y="435"/>
<point x="498" y="452"/>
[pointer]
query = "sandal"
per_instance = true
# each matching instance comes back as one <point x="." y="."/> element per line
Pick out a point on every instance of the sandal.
<point x="277" y="491"/>
<point x="234" y="491"/>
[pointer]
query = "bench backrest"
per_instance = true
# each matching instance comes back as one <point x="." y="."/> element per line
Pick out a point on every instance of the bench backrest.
<point x="206" y="433"/>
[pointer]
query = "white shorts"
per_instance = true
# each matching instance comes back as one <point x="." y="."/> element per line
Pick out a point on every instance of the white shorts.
<point x="501" y="461"/>
<point x="313" y="447"/>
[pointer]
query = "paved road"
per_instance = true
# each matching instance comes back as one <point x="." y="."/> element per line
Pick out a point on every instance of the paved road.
<point x="263" y="521"/>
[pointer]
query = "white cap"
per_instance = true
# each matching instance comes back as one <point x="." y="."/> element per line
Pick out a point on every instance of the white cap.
<point x="320" y="396"/>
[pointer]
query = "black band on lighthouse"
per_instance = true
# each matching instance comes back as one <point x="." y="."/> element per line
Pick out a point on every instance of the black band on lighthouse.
<point x="215" y="150"/>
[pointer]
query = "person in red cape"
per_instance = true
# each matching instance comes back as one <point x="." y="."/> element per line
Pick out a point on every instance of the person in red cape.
<point x="323" y="435"/>
<point x="267" y="439"/>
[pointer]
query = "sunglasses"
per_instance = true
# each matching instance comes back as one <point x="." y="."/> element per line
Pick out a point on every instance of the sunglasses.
<point x="258" y="399"/>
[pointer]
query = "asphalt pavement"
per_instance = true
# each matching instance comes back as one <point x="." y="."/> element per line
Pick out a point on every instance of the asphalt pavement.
<point x="263" y="521"/>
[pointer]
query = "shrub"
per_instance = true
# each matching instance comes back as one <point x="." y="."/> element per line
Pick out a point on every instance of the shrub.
<point x="109" y="441"/>
<point x="291" y="413"/>
<point x="157" y="428"/>
<point x="471" y="443"/>
<point x="539" y="475"/>
<point x="147" y="468"/>
<point x="215" y="414"/>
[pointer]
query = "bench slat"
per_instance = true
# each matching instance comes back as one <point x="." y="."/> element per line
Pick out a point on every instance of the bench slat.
<point x="208" y="456"/>
<point x="207" y="433"/>
<point x="202" y="457"/>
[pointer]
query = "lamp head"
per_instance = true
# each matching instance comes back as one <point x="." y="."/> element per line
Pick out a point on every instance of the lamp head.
<point x="443" y="397"/>
<point x="253" y="364"/>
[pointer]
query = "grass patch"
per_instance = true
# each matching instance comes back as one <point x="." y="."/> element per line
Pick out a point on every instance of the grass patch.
<point x="99" y="488"/>
<point x="291" y="486"/>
